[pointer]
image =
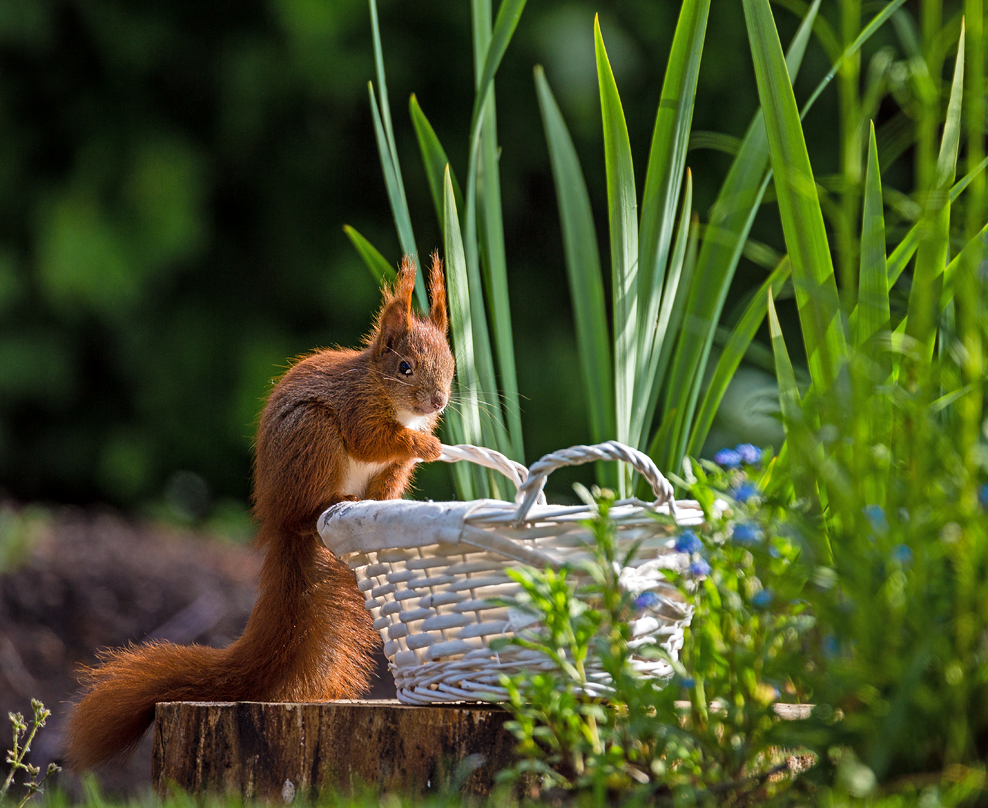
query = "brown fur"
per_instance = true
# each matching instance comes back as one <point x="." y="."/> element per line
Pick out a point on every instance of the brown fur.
<point x="309" y="636"/>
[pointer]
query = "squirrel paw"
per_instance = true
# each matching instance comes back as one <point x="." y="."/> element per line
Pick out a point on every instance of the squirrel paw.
<point x="430" y="449"/>
<point x="338" y="498"/>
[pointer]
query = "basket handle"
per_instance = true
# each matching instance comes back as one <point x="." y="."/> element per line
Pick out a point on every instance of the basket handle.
<point x="514" y="471"/>
<point x="532" y="489"/>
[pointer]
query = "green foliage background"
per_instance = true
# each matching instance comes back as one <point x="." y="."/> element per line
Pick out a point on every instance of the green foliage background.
<point x="174" y="178"/>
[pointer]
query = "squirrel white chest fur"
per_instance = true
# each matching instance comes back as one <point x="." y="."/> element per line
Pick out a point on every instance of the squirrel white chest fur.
<point x="357" y="474"/>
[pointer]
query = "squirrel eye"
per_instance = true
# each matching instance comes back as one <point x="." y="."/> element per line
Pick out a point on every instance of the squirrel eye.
<point x="405" y="369"/>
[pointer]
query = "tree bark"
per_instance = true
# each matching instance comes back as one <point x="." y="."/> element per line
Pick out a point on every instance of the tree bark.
<point x="280" y="752"/>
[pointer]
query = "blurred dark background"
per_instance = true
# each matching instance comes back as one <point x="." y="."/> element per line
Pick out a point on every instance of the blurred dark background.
<point x="175" y="176"/>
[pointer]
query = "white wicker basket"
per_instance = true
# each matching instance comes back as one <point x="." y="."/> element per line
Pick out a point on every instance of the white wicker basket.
<point x="429" y="571"/>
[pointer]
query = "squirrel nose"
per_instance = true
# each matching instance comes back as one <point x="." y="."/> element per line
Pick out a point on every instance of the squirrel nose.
<point x="438" y="401"/>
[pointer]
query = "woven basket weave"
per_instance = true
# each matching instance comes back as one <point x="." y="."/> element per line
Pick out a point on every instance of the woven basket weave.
<point x="430" y="570"/>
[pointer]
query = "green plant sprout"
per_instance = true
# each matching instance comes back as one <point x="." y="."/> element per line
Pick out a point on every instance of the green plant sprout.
<point x="22" y="745"/>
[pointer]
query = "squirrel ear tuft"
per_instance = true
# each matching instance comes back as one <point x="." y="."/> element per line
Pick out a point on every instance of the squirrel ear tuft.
<point x="396" y="311"/>
<point x="437" y="293"/>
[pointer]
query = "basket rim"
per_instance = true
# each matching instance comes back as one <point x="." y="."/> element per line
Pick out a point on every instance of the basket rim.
<point x="348" y="528"/>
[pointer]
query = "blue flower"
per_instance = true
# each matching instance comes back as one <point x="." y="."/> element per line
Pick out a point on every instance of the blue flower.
<point x="687" y="542"/>
<point x="762" y="598"/>
<point x="728" y="458"/>
<point x="746" y="534"/>
<point x="687" y="683"/>
<point x="903" y="554"/>
<point x="879" y="522"/>
<point x="699" y="567"/>
<point x="745" y="491"/>
<point x="749" y="454"/>
<point x="646" y="600"/>
<point x="983" y="496"/>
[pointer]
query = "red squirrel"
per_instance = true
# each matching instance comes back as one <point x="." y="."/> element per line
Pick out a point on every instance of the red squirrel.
<point x="340" y="425"/>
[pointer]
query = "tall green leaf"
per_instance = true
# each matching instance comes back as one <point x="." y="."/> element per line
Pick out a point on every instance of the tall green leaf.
<point x="663" y="181"/>
<point x="384" y="135"/>
<point x="622" y="214"/>
<point x="582" y="265"/>
<point x="873" y="287"/>
<point x="484" y="230"/>
<point x="670" y="316"/>
<point x="799" y="206"/>
<point x="871" y="334"/>
<point x="731" y="217"/>
<point x="492" y="45"/>
<point x="899" y="259"/>
<point x="972" y="253"/>
<point x="934" y="243"/>
<point x="790" y="405"/>
<point x="734" y="350"/>
<point x="433" y="158"/>
<point x="376" y="263"/>
<point x="467" y="414"/>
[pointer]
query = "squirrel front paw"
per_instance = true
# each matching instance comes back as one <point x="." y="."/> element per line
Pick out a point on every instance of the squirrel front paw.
<point x="430" y="448"/>
<point x="338" y="498"/>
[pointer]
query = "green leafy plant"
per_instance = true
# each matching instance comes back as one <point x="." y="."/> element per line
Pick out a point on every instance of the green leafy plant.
<point x="869" y="525"/>
<point x="668" y="295"/>
<point x="597" y="733"/>
<point x="884" y="453"/>
<point x="628" y="734"/>
<point x="23" y="738"/>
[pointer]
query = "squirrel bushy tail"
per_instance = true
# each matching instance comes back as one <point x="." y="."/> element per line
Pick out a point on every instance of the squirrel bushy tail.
<point x="308" y="639"/>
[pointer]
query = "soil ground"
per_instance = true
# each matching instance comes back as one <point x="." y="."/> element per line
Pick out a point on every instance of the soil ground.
<point x="91" y="579"/>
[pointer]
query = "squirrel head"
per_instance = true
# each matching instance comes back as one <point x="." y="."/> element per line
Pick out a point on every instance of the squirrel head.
<point x="409" y="351"/>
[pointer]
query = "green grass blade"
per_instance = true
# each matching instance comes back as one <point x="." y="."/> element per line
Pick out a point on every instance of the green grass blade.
<point x="664" y="176"/>
<point x="873" y="286"/>
<point x="790" y="406"/>
<point x="483" y="352"/>
<point x="871" y="334"/>
<point x="582" y="265"/>
<point x="799" y="205"/>
<point x="384" y="134"/>
<point x="972" y="252"/>
<point x="483" y="237"/>
<point x="433" y="158"/>
<point x="934" y="244"/>
<point x="648" y="392"/>
<point x="467" y="413"/>
<point x="505" y="24"/>
<point x="731" y="217"/>
<point x="622" y="214"/>
<point x="734" y="351"/>
<point x="899" y="259"/>
<point x="677" y="310"/>
<point x="382" y="271"/>
<point x="493" y="262"/>
<point x="866" y="33"/>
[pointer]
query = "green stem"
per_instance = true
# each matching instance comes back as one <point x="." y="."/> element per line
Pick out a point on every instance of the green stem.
<point x="591" y="721"/>
<point x="17" y="754"/>
<point x="931" y="23"/>
<point x="851" y="152"/>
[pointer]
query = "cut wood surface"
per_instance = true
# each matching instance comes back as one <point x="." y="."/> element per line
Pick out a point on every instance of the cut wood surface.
<point x="277" y="752"/>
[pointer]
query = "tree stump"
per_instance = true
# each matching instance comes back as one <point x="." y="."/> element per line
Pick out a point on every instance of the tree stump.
<point x="277" y="752"/>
